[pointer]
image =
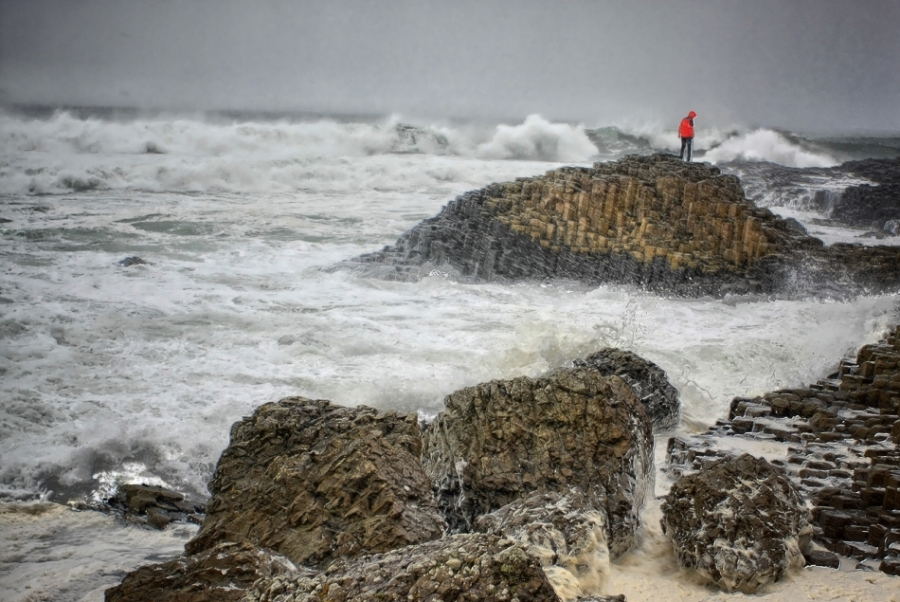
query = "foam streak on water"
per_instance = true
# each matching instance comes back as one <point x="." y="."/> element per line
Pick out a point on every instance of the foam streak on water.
<point x="121" y="374"/>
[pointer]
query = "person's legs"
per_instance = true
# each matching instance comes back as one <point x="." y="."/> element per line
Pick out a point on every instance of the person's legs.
<point x="690" y="149"/>
<point x="684" y="143"/>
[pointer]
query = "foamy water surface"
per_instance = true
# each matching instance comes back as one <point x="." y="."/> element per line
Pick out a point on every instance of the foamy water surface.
<point x="118" y="374"/>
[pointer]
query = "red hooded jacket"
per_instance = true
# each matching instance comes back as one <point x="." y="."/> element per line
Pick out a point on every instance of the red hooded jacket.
<point x="687" y="126"/>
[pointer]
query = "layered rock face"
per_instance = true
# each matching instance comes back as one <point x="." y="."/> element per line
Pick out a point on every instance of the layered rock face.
<point x="740" y="523"/>
<point x="220" y="574"/>
<point x="500" y="441"/>
<point x="655" y="222"/>
<point x="317" y="482"/>
<point x="648" y="380"/>
<point x="840" y="438"/>
<point x="472" y="567"/>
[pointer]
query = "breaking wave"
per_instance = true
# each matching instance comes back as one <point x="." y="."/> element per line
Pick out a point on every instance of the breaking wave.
<point x="66" y="152"/>
<point x="768" y="145"/>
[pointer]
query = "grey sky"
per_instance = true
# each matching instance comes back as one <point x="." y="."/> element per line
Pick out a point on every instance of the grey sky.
<point x="819" y="65"/>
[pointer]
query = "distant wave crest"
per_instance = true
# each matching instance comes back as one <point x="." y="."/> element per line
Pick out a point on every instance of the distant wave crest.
<point x="65" y="152"/>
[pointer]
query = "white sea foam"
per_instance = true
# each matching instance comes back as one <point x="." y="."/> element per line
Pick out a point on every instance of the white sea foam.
<point x="539" y="139"/>
<point x="764" y="145"/>
<point x="106" y="365"/>
<point x="48" y="552"/>
<point x="65" y="153"/>
<point x="116" y="374"/>
<point x="721" y="145"/>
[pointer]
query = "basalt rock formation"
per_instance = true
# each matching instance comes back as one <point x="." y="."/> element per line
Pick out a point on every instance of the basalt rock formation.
<point x="562" y="532"/>
<point x="317" y="482"/>
<point x="841" y="441"/>
<point x="562" y="463"/>
<point x="500" y="441"/>
<point x="470" y="567"/>
<point x="146" y="506"/>
<point x="648" y="380"/>
<point x="220" y="574"/>
<point x="652" y="221"/>
<point x="740" y="523"/>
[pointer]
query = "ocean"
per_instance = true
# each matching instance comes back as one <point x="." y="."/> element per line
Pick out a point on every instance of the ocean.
<point x="113" y="373"/>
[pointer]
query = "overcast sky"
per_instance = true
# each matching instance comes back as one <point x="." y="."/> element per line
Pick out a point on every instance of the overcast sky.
<point x="812" y="65"/>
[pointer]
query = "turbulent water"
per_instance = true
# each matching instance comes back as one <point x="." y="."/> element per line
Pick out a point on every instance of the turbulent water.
<point x="113" y="373"/>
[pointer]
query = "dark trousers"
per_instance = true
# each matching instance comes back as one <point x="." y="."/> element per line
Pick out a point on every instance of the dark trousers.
<point x="687" y="149"/>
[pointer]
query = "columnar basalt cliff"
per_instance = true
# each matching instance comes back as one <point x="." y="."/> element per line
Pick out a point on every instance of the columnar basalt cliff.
<point x="653" y="221"/>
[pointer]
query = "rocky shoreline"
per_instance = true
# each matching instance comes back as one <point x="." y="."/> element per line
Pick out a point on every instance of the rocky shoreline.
<point x="841" y="440"/>
<point x="524" y="516"/>
<point x="520" y="490"/>
<point x="527" y="488"/>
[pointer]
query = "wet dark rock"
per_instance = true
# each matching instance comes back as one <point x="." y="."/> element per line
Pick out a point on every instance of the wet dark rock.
<point x="133" y="260"/>
<point x="823" y="558"/>
<point x="872" y="205"/>
<point x="562" y="532"/>
<point x="149" y="505"/>
<point x="470" y="567"/>
<point x="317" y="482"/>
<point x="220" y="574"/>
<point x="648" y="380"/>
<point x="840" y="437"/>
<point x="860" y="194"/>
<point x="500" y="441"/>
<point x="740" y="523"/>
<point x="650" y="221"/>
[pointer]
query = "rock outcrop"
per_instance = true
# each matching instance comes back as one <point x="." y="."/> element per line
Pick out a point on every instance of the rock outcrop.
<point x="841" y="440"/>
<point x="648" y="380"/>
<point x="740" y="523"/>
<point x="146" y="506"/>
<point x="220" y="574"/>
<point x="154" y="506"/>
<point x="470" y="567"/>
<point x="500" y="441"/>
<point x="563" y="532"/>
<point x="317" y="482"/>
<point x="653" y="221"/>
<point x="872" y="205"/>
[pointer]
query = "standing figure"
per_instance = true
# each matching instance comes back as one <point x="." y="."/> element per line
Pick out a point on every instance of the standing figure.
<point x="686" y="131"/>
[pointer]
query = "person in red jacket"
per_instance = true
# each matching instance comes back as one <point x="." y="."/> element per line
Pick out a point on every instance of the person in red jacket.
<point x="686" y="131"/>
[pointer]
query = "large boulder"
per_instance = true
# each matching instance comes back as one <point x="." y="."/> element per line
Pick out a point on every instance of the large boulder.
<point x="740" y="523"/>
<point x="650" y="221"/>
<point x="316" y="481"/>
<point x="840" y="438"/>
<point x="220" y="574"/>
<point x="563" y="532"/>
<point x="470" y="567"/>
<point x="648" y="380"/>
<point x="497" y="442"/>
